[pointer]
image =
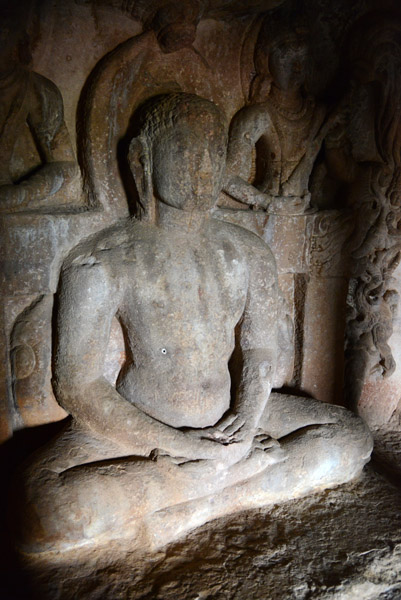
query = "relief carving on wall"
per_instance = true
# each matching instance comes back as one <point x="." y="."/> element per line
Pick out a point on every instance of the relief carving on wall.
<point x="187" y="289"/>
<point x="275" y="139"/>
<point x="277" y="130"/>
<point x="367" y="156"/>
<point x="31" y="358"/>
<point x="153" y="134"/>
<point x="38" y="169"/>
<point x="159" y="60"/>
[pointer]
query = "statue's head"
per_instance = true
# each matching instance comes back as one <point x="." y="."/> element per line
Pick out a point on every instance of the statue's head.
<point x="288" y="61"/>
<point x="179" y="155"/>
<point x="280" y="58"/>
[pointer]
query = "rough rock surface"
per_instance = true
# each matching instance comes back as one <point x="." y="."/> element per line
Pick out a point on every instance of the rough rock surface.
<point x="343" y="544"/>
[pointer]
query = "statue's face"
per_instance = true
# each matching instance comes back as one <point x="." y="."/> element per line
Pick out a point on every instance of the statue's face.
<point x="287" y="64"/>
<point x="189" y="162"/>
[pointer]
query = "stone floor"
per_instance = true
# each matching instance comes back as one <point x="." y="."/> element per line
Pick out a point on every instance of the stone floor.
<point x="342" y="544"/>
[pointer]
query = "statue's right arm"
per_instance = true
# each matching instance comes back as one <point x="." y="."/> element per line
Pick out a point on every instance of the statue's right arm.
<point x="89" y="298"/>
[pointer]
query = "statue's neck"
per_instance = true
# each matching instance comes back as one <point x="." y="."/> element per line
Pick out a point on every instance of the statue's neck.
<point x="290" y="99"/>
<point x="185" y="220"/>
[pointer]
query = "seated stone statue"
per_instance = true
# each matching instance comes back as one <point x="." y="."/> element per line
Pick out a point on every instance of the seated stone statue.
<point x="172" y="446"/>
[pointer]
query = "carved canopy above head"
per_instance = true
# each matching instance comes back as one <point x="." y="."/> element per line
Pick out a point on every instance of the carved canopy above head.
<point x="137" y="70"/>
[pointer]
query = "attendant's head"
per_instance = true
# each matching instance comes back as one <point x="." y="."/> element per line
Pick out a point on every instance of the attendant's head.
<point x="280" y="59"/>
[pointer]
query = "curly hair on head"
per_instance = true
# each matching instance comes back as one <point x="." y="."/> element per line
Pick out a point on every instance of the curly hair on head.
<point x="162" y="113"/>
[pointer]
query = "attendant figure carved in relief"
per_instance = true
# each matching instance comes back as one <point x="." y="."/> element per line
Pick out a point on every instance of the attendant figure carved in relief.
<point x="282" y="124"/>
<point x="155" y="454"/>
<point x="31" y="107"/>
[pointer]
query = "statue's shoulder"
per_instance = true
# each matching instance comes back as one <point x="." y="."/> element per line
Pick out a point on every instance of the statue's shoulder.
<point x="250" y="111"/>
<point x="245" y="240"/>
<point x="251" y="116"/>
<point x="43" y="85"/>
<point x="108" y="247"/>
<point x="46" y="93"/>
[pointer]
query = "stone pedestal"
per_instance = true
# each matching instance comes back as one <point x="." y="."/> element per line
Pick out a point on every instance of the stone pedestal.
<point x="344" y="544"/>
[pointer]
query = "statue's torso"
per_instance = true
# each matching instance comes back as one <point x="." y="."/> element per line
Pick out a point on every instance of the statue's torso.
<point x="183" y="295"/>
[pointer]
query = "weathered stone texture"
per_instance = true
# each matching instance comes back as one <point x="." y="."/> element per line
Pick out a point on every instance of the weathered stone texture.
<point x="343" y="544"/>
<point x="189" y="291"/>
<point x="200" y="209"/>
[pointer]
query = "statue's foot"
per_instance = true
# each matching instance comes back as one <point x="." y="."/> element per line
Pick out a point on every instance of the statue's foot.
<point x="214" y="475"/>
<point x="264" y="453"/>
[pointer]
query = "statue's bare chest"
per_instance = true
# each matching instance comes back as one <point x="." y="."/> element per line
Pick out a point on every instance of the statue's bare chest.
<point x="181" y="281"/>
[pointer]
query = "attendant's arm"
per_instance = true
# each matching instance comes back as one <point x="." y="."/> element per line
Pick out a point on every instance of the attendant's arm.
<point x="247" y="126"/>
<point x="88" y="300"/>
<point x="245" y="192"/>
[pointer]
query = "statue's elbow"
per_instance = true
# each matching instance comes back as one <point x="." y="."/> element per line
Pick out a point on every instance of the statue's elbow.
<point x="66" y="390"/>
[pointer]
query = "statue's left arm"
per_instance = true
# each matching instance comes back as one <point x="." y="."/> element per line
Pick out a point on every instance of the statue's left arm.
<point x="258" y="344"/>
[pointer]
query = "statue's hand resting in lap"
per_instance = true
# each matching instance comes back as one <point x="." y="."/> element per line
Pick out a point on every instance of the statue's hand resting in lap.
<point x="238" y="439"/>
<point x="231" y="428"/>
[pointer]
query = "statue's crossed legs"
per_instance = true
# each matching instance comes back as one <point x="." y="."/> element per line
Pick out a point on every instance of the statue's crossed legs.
<point x="80" y="489"/>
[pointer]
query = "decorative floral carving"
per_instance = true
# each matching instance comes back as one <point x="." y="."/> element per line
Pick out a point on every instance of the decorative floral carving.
<point x="375" y="58"/>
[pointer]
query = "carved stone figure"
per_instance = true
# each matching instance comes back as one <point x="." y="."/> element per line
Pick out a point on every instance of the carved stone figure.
<point x="154" y="456"/>
<point x="173" y="23"/>
<point x="30" y="347"/>
<point x="284" y="124"/>
<point x="31" y="105"/>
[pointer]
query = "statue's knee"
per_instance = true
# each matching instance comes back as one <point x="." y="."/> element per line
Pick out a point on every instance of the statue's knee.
<point x="352" y="435"/>
<point x="348" y="446"/>
<point x="34" y="518"/>
<point x="356" y="436"/>
<point x="336" y="452"/>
